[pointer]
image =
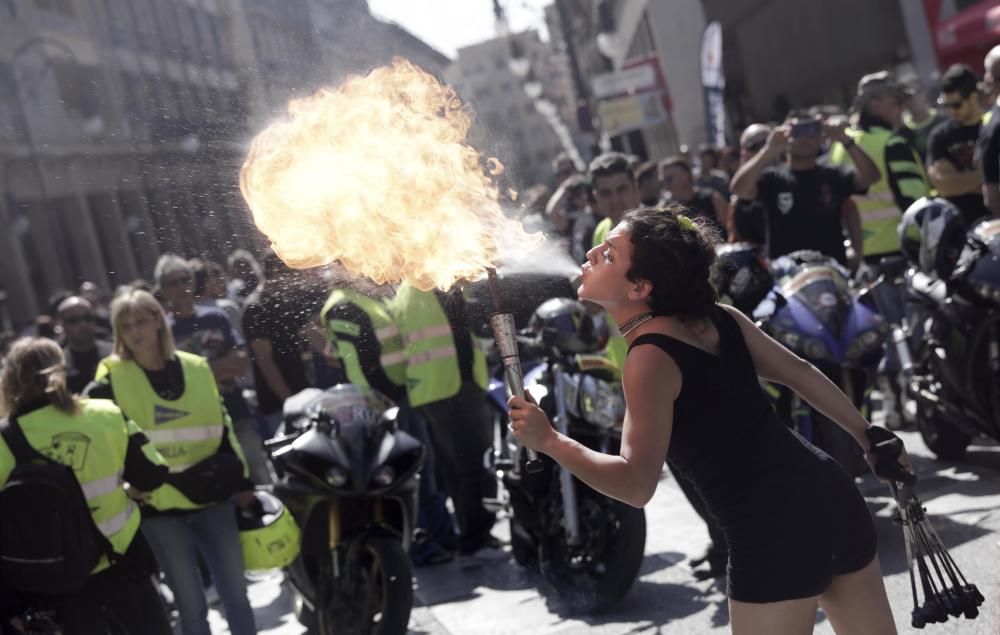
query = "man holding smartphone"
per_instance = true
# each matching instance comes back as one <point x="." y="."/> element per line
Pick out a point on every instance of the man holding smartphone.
<point x="806" y="205"/>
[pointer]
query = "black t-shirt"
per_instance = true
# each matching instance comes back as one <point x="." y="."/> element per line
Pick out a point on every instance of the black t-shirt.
<point x="279" y="317"/>
<point x="80" y="367"/>
<point x="956" y="143"/>
<point x="988" y="151"/>
<point x="748" y="222"/>
<point x="803" y="208"/>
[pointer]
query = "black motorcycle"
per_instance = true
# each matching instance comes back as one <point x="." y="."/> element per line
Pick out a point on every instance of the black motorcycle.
<point x="955" y="342"/>
<point x="587" y="545"/>
<point x="349" y="477"/>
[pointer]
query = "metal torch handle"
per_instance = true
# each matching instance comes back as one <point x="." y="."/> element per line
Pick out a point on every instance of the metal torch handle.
<point x="515" y="381"/>
<point x="505" y="333"/>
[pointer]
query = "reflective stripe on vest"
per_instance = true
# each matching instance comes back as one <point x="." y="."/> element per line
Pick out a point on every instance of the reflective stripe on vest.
<point x="185" y="431"/>
<point x="203" y="433"/>
<point x="432" y="372"/>
<point x="102" y="486"/>
<point x="386" y="332"/>
<point x="94" y="444"/>
<point x="438" y="330"/>
<point x="117" y="522"/>
<point x="434" y="354"/>
<point x="390" y="359"/>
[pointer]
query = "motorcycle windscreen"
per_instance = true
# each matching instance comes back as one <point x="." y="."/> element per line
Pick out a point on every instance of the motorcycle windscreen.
<point x="824" y="291"/>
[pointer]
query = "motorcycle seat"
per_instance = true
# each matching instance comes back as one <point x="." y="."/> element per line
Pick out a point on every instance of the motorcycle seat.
<point x="932" y="288"/>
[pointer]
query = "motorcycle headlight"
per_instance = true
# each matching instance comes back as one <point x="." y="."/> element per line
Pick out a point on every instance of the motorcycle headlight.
<point x="336" y="476"/>
<point x="602" y="403"/>
<point x="989" y="292"/>
<point x="813" y="348"/>
<point x="790" y="339"/>
<point x="866" y="343"/>
<point x="383" y="476"/>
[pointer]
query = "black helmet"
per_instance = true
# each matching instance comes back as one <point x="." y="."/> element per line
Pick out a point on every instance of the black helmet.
<point x="741" y="276"/>
<point x="931" y="236"/>
<point x="566" y="325"/>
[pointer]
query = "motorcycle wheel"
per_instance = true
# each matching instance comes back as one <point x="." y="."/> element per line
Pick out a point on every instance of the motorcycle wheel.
<point x="382" y="603"/>
<point x="595" y="575"/>
<point x="945" y="441"/>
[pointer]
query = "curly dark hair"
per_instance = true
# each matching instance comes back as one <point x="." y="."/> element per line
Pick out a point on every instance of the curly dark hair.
<point x="677" y="261"/>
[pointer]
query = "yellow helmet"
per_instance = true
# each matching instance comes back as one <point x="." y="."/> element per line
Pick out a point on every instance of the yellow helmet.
<point x="268" y="534"/>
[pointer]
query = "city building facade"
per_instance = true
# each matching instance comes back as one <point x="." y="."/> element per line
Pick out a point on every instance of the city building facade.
<point x="123" y="124"/>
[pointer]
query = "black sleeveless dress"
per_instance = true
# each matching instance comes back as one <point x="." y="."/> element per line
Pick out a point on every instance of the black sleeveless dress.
<point x="792" y="516"/>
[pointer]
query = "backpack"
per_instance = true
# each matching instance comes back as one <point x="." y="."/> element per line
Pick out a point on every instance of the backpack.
<point x="49" y="542"/>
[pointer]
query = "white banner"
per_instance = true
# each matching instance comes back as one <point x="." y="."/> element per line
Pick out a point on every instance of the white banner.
<point x="712" y="75"/>
<point x="713" y="79"/>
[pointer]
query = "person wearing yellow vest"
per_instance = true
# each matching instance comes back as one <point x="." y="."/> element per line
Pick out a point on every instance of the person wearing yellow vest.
<point x="878" y="108"/>
<point x="370" y="348"/>
<point x="366" y="341"/>
<point x="107" y="453"/>
<point x="446" y="378"/>
<point x="172" y="396"/>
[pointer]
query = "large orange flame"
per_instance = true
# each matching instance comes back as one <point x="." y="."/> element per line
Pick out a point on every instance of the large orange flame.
<point x="376" y="174"/>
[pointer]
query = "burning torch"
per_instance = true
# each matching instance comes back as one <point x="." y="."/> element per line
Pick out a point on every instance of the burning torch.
<point x="502" y="323"/>
<point x="376" y="174"/>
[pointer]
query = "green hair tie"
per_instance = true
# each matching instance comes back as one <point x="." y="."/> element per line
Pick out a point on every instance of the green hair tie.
<point x="685" y="223"/>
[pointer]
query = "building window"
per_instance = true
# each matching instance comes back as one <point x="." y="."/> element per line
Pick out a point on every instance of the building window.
<point x="62" y="7"/>
<point x="79" y="89"/>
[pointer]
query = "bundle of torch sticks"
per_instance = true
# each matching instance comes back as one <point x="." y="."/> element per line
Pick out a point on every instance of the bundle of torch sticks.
<point x="946" y="591"/>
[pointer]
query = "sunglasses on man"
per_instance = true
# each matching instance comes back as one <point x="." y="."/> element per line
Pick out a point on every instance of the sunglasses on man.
<point x="79" y="319"/>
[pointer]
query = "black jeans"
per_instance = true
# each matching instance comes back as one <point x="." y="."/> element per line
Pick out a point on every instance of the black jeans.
<point x="120" y="600"/>
<point x="459" y="431"/>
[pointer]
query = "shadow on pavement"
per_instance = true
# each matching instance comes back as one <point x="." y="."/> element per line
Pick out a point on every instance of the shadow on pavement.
<point x="655" y="603"/>
<point x="458" y="580"/>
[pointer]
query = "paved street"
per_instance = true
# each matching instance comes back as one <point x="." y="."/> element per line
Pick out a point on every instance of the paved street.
<point x="963" y="501"/>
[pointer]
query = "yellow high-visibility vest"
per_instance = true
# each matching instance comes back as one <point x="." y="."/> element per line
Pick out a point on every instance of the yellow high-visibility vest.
<point x="94" y="443"/>
<point x="432" y="372"/>
<point x="185" y="430"/>
<point x="879" y="214"/>
<point x="392" y="353"/>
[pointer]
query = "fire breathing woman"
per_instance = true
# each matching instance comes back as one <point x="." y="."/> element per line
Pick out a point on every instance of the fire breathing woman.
<point x="105" y="451"/>
<point x="173" y="397"/>
<point x="799" y="532"/>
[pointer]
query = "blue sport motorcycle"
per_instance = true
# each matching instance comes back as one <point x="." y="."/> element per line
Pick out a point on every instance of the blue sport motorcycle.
<point x="813" y="311"/>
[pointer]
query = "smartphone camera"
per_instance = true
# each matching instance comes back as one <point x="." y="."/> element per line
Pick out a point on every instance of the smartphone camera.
<point x="803" y="129"/>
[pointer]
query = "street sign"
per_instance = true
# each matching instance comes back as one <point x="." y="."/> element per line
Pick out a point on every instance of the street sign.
<point x="634" y="112"/>
<point x="625" y="82"/>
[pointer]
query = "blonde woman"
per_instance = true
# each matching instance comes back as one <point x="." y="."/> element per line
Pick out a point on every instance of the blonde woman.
<point x="173" y="397"/>
<point x="104" y="450"/>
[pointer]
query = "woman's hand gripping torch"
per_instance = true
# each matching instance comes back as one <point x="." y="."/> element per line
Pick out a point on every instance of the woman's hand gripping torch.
<point x="505" y="334"/>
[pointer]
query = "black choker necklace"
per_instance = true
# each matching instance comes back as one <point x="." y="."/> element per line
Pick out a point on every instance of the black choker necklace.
<point x="632" y="323"/>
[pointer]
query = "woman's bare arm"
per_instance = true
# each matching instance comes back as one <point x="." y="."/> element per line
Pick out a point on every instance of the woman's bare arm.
<point x="652" y="382"/>
<point x="776" y="363"/>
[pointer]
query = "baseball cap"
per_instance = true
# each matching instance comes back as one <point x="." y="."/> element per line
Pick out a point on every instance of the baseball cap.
<point x="880" y="84"/>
